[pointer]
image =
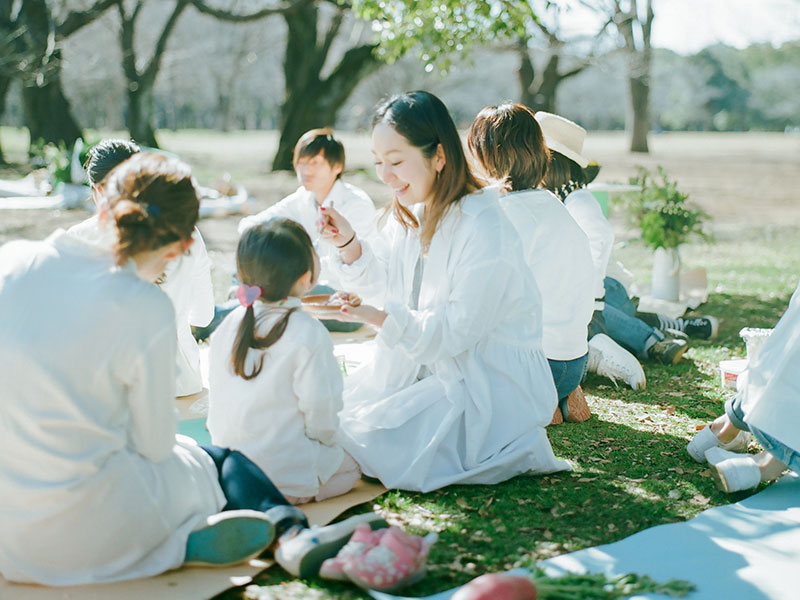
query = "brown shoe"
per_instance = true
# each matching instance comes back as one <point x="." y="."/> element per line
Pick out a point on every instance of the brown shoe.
<point x="558" y="418"/>
<point x="577" y="410"/>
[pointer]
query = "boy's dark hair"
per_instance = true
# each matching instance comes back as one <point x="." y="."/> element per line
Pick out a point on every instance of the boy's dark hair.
<point x="272" y="256"/>
<point x="106" y="155"/>
<point x="315" y="141"/>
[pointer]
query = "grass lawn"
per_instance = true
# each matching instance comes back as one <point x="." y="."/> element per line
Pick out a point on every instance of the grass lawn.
<point x="630" y="467"/>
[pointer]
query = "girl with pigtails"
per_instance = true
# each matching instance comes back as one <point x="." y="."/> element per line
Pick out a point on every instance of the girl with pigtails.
<point x="275" y="386"/>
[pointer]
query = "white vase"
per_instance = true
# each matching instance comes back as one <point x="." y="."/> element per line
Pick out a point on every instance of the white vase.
<point x="666" y="274"/>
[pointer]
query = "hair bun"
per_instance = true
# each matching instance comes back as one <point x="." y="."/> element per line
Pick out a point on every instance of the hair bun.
<point x="128" y="213"/>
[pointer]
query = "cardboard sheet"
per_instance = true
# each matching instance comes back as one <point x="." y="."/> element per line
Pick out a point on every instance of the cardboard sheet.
<point x="191" y="583"/>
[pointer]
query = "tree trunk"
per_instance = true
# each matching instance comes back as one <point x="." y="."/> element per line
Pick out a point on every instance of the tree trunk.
<point x="48" y="113"/>
<point x="311" y="101"/>
<point x="525" y="76"/>
<point x="5" y="83"/>
<point x="140" y="114"/>
<point x="639" y="88"/>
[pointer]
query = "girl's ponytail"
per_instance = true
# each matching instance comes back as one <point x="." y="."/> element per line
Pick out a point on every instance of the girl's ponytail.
<point x="270" y="258"/>
<point x="246" y="338"/>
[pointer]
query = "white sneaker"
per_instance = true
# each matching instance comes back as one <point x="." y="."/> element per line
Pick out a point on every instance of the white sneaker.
<point x="733" y="472"/>
<point x="705" y="439"/>
<point x="609" y="359"/>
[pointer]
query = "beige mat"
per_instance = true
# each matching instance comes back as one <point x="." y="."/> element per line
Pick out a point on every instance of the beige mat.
<point x="197" y="583"/>
<point x="189" y="583"/>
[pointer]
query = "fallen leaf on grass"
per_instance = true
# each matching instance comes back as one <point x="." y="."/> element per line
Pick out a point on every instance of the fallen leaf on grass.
<point x="464" y="504"/>
<point x="700" y="499"/>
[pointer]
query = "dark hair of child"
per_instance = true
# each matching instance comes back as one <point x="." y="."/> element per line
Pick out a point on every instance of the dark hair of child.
<point x="423" y="120"/>
<point x="508" y="143"/>
<point x="272" y="256"/>
<point x="106" y="155"/>
<point x="153" y="202"/>
<point x="311" y="143"/>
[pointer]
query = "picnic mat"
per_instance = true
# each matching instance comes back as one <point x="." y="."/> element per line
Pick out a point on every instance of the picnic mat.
<point x="748" y="550"/>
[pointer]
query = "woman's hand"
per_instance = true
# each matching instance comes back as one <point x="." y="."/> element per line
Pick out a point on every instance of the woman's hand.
<point x="359" y="314"/>
<point x="337" y="230"/>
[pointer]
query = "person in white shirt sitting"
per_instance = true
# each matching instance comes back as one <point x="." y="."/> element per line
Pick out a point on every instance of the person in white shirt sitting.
<point x="319" y="161"/>
<point x="275" y="386"/>
<point x="509" y="149"/>
<point x="186" y="280"/>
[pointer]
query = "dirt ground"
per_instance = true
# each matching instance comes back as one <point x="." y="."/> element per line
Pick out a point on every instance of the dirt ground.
<point x="744" y="180"/>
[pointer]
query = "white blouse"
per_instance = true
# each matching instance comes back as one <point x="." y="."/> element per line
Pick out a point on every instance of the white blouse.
<point x="285" y="419"/>
<point x="479" y="417"/>
<point x="94" y="486"/>
<point x="557" y="251"/>
<point x="301" y="206"/>
<point x="587" y="213"/>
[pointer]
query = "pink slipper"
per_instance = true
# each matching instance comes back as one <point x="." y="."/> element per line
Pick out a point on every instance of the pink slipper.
<point x="398" y="560"/>
<point x="362" y="540"/>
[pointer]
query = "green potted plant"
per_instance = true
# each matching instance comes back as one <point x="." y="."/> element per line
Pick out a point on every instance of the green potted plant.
<point x="666" y="221"/>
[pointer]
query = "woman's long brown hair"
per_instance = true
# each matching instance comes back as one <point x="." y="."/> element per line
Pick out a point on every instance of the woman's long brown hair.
<point x="423" y="120"/>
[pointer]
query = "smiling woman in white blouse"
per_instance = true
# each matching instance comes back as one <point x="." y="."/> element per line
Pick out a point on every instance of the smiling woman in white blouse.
<point x="459" y="390"/>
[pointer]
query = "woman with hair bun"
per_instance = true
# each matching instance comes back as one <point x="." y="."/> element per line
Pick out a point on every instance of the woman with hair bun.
<point x="459" y="390"/>
<point x="95" y="485"/>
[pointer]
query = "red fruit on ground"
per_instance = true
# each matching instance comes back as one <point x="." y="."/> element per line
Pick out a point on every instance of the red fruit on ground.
<point x="497" y="587"/>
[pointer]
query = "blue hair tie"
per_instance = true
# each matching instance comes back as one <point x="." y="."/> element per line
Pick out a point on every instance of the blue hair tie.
<point x="153" y="211"/>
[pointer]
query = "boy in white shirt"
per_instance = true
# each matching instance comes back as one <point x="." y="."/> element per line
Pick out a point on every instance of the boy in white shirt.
<point x="319" y="160"/>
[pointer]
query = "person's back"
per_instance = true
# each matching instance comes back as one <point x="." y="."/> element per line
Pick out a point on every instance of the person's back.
<point x="75" y="387"/>
<point x="275" y="386"/>
<point x="557" y="251"/>
<point x="284" y="419"/>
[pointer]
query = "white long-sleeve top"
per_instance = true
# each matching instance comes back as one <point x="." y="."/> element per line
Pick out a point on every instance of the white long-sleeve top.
<point x="557" y="251"/>
<point x="94" y="486"/>
<point x="771" y="394"/>
<point x="301" y="206"/>
<point x="187" y="282"/>
<point x="587" y="213"/>
<point x="480" y="416"/>
<point x="285" y="419"/>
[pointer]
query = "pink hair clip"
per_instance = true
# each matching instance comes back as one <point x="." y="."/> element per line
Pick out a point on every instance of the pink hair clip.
<point x="248" y="294"/>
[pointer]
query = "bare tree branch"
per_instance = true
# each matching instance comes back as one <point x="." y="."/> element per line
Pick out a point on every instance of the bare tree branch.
<point x="151" y="70"/>
<point x="77" y="19"/>
<point x="224" y="15"/>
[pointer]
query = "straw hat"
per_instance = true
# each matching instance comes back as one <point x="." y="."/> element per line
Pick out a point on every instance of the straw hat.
<point x="564" y="136"/>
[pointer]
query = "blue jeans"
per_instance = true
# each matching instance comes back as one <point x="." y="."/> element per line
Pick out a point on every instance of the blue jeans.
<point x="568" y="374"/>
<point x="789" y="457"/>
<point x="617" y="320"/>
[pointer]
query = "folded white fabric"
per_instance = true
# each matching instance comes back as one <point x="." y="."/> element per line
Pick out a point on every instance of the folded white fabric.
<point x="706" y="439"/>
<point x="733" y="472"/>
